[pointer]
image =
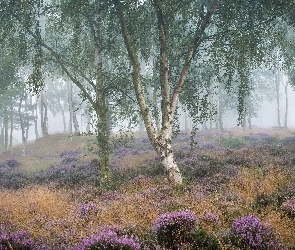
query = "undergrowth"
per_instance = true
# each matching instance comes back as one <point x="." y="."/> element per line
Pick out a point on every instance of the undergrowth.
<point x="230" y="180"/>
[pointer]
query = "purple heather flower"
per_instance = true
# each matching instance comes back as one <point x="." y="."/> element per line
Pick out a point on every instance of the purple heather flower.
<point x="86" y="209"/>
<point x="210" y="217"/>
<point x="12" y="163"/>
<point x="172" y="228"/>
<point x="108" y="240"/>
<point x="16" y="240"/>
<point x="251" y="233"/>
<point x="168" y="219"/>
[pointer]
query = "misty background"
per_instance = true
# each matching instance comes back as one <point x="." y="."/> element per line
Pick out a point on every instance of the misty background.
<point x="266" y="117"/>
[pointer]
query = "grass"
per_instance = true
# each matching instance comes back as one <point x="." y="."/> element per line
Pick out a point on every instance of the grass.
<point x="234" y="178"/>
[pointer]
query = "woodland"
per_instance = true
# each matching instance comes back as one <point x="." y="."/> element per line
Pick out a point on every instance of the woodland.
<point x="145" y="160"/>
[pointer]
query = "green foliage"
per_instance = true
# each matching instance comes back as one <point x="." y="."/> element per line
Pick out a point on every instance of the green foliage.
<point x="82" y="41"/>
<point x="203" y="240"/>
<point x="233" y="142"/>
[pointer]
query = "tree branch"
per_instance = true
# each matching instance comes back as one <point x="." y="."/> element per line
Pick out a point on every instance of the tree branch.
<point x="64" y="68"/>
<point x="151" y="131"/>
<point x="196" y="41"/>
<point x="164" y="72"/>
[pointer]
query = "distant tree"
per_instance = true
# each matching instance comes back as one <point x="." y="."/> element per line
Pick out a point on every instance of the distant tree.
<point x="78" y="40"/>
<point x="289" y="56"/>
<point x="8" y="80"/>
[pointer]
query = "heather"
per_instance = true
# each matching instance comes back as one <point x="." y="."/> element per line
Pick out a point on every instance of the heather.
<point x="110" y="240"/>
<point x="238" y="193"/>
<point x="250" y="232"/>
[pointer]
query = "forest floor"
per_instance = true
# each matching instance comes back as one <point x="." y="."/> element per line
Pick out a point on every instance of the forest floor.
<point x="53" y="191"/>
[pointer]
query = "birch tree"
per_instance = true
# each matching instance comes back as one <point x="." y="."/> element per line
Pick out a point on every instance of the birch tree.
<point x="187" y="34"/>
<point x="75" y="38"/>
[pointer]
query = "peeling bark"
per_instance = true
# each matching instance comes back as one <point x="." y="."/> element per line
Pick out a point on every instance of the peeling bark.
<point x="172" y="169"/>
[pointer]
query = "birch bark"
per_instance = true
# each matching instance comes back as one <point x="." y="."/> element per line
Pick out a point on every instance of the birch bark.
<point x="161" y="140"/>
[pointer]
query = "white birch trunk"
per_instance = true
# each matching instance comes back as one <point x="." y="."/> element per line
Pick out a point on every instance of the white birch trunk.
<point x="172" y="169"/>
<point x="168" y="160"/>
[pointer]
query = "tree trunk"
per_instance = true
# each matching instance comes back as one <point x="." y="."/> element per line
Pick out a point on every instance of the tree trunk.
<point x="44" y="115"/>
<point x="11" y="123"/>
<point x="186" y="122"/>
<point x="164" y="149"/>
<point x="103" y="136"/>
<point x="101" y="108"/>
<point x="220" y="109"/>
<point x="75" y="120"/>
<point x="64" y="120"/>
<point x="22" y="128"/>
<point x="278" y="81"/>
<point x="287" y="106"/>
<point x="5" y="128"/>
<point x="211" y="104"/>
<point x="27" y="122"/>
<point x="2" y="132"/>
<point x="35" y="112"/>
<point x="70" y="109"/>
<point x="162" y="141"/>
<point x="155" y="99"/>
<point x="186" y="127"/>
<point x="45" y="118"/>
<point x="36" y="119"/>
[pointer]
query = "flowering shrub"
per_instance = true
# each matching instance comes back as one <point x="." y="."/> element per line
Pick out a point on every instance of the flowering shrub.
<point x="290" y="141"/>
<point x="108" y="240"/>
<point x="260" y="138"/>
<point x="12" y="163"/>
<point x="86" y="209"/>
<point x="172" y="229"/>
<point x="208" y="145"/>
<point x="203" y="240"/>
<point x="70" y="156"/>
<point x="211" y="218"/>
<point x="70" y="174"/>
<point x="70" y="153"/>
<point x="18" y="240"/>
<point x="124" y="151"/>
<point x="12" y="177"/>
<point x="289" y="207"/>
<point x="250" y="233"/>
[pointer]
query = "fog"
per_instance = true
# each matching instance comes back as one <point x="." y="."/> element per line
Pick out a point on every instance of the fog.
<point x="266" y="118"/>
